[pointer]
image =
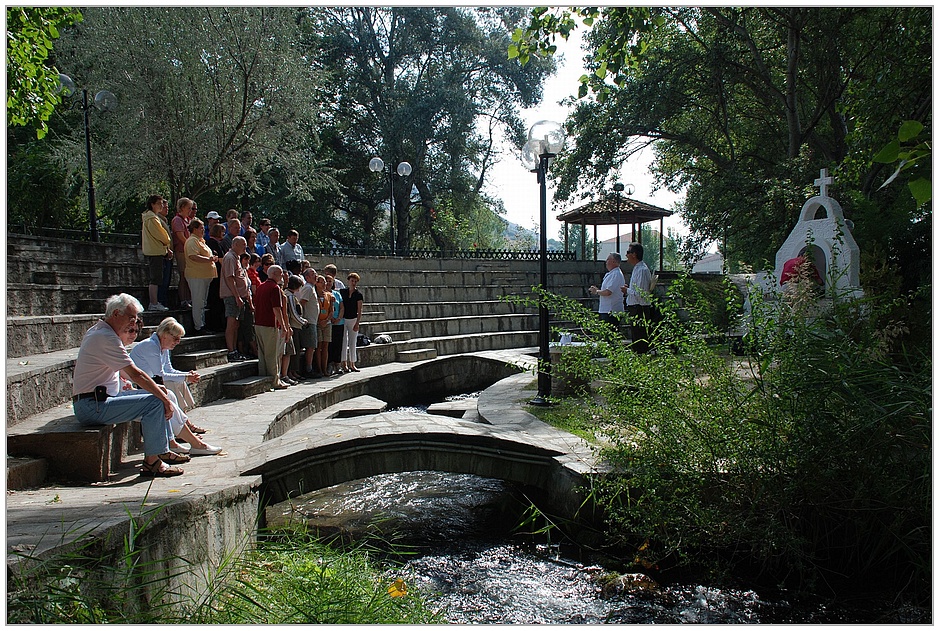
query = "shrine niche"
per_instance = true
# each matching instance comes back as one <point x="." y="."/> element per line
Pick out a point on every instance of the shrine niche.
<point x="822" y="236"/>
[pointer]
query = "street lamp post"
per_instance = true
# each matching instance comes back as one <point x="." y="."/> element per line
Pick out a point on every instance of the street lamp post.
<point x="375" y="165"/>
<point x="106" y="102"/>
<point x="545" y="141"/>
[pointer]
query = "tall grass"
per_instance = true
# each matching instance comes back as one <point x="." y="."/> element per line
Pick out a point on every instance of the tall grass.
<point x="807" y="461"/>
<point x="285" y="578"/>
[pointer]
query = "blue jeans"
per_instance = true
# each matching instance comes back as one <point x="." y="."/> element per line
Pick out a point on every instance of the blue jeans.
<point x="149" y="409"/>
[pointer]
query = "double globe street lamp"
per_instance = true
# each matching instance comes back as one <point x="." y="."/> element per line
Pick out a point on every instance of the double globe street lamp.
<point x="104" y="101"/>
<point x="545" y="141"/>
<point x="375" y="165"/>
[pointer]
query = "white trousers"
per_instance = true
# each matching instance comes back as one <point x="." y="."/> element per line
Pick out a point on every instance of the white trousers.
<point x="348" y="341"/>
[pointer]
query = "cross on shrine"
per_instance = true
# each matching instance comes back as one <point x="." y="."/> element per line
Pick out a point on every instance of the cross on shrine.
<point x="823" y="182"/>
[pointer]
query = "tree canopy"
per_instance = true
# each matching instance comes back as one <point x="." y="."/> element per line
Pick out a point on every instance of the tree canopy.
<point x="744" y="106"/>
<point x="278" y="110"/>
<point x="210" y="98"/>
<point x="431" y="87"/>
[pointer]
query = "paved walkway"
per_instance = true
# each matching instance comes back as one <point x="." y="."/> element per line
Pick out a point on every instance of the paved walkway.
<point x="44" y="518"/>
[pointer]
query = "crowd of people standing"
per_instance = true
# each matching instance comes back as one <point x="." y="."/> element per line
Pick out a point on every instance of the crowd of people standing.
<point x="261" y="292"/>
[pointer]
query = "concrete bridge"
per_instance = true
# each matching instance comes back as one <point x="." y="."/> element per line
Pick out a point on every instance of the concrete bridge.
<point x="495" y="438"/>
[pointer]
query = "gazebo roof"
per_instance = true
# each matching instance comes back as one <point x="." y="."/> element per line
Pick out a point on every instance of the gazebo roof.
<point x="605" y="212"/>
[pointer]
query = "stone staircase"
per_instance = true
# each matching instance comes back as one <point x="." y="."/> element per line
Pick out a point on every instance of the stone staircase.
<point x="56" y="290"/>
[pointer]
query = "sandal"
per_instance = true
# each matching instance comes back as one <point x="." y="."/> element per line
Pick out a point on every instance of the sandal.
<point x="172" y="458"/>
<point x="194" y="429"/>
<point x="159" y="470"/>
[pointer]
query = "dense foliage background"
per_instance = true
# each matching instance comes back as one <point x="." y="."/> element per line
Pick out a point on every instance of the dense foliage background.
<point x="744" y="106"/>
<point x="278" y="110"/>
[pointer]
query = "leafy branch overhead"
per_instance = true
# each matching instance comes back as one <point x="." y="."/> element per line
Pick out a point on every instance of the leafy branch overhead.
<point x="627" y="30"/>
<point x="914" y="157"/>
<point x="32" y="85"/>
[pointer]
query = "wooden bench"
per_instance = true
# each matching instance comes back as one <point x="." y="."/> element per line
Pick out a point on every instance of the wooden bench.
<point x="73" y="451"/>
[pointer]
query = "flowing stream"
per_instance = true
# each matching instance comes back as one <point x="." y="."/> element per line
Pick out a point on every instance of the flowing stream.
<point x="453" y="536"/>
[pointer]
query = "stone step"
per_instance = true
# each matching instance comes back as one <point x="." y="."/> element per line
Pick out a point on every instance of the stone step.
<point x="199" y="360"/>
<point x="417" y="354"/>
<point x="460" y="325"/>
<point x="66" y="277"/>
<point x="247" y="386"/>
<point x="396" y="335"/>
<point x="356" y="406"/>
<point x="26" y="473"/>
<point x="444" y="278"/>
<point x="456" y="409"/>
<point x="192" y="343"/>
<point x="461" y="293"/>
<point x="33" y="335"/>
<point x="73" y="451"/>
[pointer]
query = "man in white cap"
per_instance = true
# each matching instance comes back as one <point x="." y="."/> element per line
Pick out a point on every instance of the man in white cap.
<point x="210" y="220"/>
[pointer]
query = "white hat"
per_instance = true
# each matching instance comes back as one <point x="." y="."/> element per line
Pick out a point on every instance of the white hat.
<point x="213" y="215"/>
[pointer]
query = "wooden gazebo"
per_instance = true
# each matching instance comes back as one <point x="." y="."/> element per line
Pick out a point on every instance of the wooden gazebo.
<point x="615" y="210"/>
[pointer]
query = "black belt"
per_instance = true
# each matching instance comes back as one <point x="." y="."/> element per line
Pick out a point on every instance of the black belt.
<point x="100" y="394"/>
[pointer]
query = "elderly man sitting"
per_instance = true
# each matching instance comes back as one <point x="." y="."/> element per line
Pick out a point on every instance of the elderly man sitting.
<point x="96" y="383"/>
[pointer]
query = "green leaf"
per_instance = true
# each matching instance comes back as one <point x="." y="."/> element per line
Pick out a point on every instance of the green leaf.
<point x="921" y="188"/>
<point x="513" y="51"/>
<point x="909" y="130"/>
<point x="888" y="154"/>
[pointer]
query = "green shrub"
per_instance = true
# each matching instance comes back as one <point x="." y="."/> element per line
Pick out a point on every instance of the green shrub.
<point x="808" y="460"/>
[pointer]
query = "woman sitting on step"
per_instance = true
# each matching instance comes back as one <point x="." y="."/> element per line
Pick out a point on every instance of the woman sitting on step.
<point x="153" y="357"/>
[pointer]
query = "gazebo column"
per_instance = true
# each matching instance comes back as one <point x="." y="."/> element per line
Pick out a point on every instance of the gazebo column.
<point x="583" y="239"/>
<point x="661" y="243"/>
<point x="617" y="235"/>
<point x="594" y="242"/>
<point x="567" y="240"/>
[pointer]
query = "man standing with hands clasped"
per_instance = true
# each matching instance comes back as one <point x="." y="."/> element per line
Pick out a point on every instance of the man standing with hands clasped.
<point x="611" y="298"/>
<point x="637" y="298"/>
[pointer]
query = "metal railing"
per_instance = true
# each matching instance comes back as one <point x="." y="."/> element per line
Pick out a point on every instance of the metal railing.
<point x="427" y="253"/>
<point x="417" y="253"/>
<point x="76" y="235"/>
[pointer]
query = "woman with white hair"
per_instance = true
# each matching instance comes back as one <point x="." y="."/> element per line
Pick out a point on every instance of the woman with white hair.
<point x="153" y="357"/>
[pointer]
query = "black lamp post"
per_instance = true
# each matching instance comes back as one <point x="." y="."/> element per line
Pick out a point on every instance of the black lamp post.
<point x="375" y="165"/>
<point x="106" y="102"/>
<point x="545" y="141"/>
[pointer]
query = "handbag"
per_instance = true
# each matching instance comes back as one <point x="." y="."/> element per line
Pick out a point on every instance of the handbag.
<point x="362" y="340"/>
<point x="296" y="320"/>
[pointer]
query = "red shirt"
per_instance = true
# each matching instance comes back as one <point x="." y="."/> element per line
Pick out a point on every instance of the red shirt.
<point x="266" y="300"/>
<point x="253" y="276"/>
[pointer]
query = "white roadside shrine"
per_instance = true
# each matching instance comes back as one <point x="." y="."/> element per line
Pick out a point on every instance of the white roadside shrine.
<point x="822" y="235"/>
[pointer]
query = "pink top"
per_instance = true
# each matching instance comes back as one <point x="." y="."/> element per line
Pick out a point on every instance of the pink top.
<point x="180" y="224"/>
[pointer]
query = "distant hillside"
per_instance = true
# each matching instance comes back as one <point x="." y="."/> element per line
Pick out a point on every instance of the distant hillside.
<point x="524" y="238"/>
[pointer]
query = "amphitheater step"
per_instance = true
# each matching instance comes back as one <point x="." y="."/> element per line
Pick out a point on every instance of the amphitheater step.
<point x="73" y="451"/>
<point x="247" y="387"/>
<point x="26" y="473"/>
<point x="65" y="277"/>
<point x="401" y="335"/>
<point x="417" y="354"/>
<point x="200" y="359"/>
